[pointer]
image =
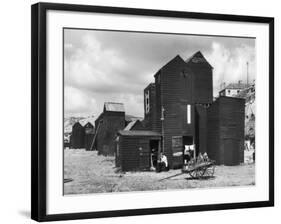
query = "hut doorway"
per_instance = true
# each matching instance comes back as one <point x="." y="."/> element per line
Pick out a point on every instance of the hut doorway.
<point x="188" y="148"/>
<point x="154" y="151"/>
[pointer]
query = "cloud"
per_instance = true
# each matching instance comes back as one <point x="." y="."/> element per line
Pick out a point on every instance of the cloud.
<point x="230" y="64"/>
<point x="77" y="102"/>
<point x="105" y="66"/>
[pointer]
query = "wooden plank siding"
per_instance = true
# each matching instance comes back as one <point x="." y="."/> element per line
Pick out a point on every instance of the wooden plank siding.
<point x="112" y="122"/>
<point x="134" y="152"/>
<point x="177" y="85"/>
<point x="89" y="136"/>
<point x="226" y="130"/>
<point x="77" y="139"/>
<point x="174" y="91"/>
<point x="201" y="128"/>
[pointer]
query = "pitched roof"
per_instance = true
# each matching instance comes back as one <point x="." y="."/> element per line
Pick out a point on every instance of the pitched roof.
<point x="86" y="120"/>
<point x="197" y="58"/>
<point x="177" y="57"/>
<point x="115" y="107"/>
<point x="130" y="118"/>
<point x="132" y="124"/>
<point x="139" y="133"/>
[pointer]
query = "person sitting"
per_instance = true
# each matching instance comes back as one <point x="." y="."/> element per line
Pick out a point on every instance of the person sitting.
<point x="162" y="163"/>
<point x="205" y="157"/>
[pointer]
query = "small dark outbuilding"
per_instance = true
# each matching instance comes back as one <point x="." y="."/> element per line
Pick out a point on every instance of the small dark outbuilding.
<point x="226" y="130"/>
<point x="77" y="139"/>
<point x="134" y="149"/>
<point x="110" y="121"/>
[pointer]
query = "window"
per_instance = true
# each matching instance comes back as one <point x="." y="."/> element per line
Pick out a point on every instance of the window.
<point x="188" y="114"/>
<point x="147" y="102"/>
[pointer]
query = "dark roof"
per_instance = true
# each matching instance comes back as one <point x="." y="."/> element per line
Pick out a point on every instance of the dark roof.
<point x="89" y="124"/>
<point x="115" y="107"/>
<point x="150" y="85"/>
<point x="174" y="59"/>
<point x="139" y="133"/>
<point x="76" y="125"/>
<point x="130" y="125"/>
<point x="90" y="119"/>
<point x="198" y="58"/>
<point x="130" y="118"/>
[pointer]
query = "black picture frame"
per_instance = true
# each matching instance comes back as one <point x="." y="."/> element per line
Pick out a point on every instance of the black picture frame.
<point x="39" y="108"/>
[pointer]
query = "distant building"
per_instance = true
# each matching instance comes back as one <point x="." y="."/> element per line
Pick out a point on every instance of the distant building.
<point x="110" y="121"/>
<point x="233" y="89"/>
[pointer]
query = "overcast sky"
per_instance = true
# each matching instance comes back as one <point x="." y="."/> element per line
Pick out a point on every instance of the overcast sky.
<point x="103" y="66"/>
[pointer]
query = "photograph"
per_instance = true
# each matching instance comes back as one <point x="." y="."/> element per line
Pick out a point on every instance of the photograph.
<point x="153" y="111"/>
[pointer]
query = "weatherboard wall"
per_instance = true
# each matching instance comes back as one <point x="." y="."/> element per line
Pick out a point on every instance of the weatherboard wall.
<point x="133" y="152"/>
<point x="226" y="130"/>
<point x="111" y="123"/>
<point x="89" y="136"/>
<point x="77" y="138"/>
<point x="174" y="93"/>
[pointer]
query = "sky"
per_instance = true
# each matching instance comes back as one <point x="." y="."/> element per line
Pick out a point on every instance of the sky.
<point x="112" y="66"/>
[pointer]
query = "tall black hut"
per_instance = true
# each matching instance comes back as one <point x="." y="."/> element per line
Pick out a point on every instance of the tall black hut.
<point x="77" y="138"/>
<point x="179" y="114"/>
<point x="226" y="117"/>
<point x="175" y="105"/>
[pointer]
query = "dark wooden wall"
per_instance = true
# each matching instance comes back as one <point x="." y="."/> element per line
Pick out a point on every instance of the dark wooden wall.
<point x="174" y="93"/>
<point x="112" y="122"/>
<point x="89" y="136"/>
<point x="201" y="128"/>
<point x="138" y="126"/>
<point x="77" y="139"/>
<point x="226" y="130"/>
<point x="134" y="152"/>
<point x="202" y="84"/>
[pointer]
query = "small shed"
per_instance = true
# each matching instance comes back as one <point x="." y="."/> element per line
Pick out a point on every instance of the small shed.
<point x="77" y="139"/>
<point x="134" y="149"/>
<point x="110" y="121"/>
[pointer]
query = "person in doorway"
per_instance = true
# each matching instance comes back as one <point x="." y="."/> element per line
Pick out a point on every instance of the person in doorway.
<point x="187" y="155"/>
<point x="200" y="158"/>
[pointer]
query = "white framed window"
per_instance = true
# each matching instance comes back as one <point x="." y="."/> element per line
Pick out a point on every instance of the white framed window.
<point x="188" y="109"/>
<point x="147" y="102"/>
